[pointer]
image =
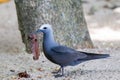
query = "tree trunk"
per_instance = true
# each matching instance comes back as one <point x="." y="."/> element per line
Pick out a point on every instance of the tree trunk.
<point x="66" y="17"/>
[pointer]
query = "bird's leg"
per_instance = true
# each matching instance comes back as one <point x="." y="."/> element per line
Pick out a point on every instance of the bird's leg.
<point x="62" y="69"/>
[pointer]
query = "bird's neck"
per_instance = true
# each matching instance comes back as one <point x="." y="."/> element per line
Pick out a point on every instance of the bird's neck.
<point x="49" y="40"/>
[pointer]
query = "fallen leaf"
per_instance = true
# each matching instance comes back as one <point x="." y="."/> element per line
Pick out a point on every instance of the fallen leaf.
<point x="23" y="74"/>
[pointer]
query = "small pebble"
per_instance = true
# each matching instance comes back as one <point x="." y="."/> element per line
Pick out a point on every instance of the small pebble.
<point x="12" y="70"/>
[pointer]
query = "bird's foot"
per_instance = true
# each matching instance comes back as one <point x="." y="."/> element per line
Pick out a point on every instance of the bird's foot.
<point x="59" y="73"/>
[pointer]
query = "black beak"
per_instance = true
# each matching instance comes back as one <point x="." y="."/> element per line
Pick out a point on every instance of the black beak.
<point x="38" y="31"/>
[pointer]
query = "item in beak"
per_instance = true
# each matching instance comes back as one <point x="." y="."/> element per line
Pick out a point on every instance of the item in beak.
<point x="34" y="46"/>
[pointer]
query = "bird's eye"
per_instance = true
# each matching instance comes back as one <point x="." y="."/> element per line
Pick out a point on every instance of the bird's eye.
<point x="45" y="28"/>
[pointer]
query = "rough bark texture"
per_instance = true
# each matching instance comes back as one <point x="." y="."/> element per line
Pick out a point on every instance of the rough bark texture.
<point x="66" y="17"/>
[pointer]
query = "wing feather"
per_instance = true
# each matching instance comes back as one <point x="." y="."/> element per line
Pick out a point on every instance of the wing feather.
<point x="68" y="52"/>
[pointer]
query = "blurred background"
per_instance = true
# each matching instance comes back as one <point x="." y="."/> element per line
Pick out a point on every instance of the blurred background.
<point x="102" y="17"/>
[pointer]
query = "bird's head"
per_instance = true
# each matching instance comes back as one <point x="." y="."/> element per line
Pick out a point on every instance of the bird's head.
<point x="45" y="28"/>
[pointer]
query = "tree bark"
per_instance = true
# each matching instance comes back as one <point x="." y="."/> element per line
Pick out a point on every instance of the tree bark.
<point x="66" y="17"/>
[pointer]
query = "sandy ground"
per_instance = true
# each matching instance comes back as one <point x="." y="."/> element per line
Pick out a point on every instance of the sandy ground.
<point x="103" y="19"/>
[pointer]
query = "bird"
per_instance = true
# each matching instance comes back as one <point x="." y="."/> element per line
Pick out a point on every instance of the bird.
<point x="60" y="54"/>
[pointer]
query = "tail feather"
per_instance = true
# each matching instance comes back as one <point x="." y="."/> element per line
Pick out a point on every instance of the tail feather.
<point x="91" y="56"/>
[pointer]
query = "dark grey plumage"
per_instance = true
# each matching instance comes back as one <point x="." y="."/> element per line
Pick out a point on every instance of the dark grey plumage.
<point x="63" y="55"/>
